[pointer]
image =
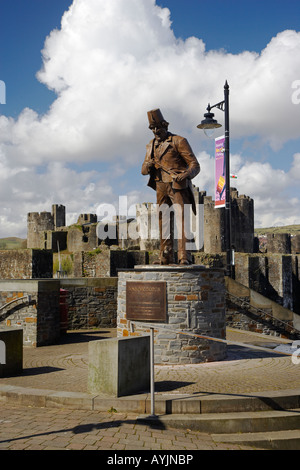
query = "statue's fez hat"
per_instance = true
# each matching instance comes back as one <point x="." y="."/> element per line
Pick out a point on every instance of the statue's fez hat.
<point x="155" y="117"/>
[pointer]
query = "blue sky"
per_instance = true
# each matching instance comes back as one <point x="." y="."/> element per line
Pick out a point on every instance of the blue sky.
<point x="234" y="25"/>
<point x="23" y="30"/>
<point x="39" y="167"/>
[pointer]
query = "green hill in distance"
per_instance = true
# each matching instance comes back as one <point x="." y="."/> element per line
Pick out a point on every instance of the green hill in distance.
<point x="292" y="229"/>
<point x="13" y="243"/>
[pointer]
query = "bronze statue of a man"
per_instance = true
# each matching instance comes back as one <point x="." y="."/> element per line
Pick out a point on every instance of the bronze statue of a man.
<point x="171" y="164"/>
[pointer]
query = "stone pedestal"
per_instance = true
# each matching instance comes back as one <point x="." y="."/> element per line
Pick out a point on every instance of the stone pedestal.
<point x="194" y="303"/>
<point x="119" y="366"/>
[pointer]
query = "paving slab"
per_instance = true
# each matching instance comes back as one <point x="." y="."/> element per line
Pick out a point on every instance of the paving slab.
<point x="58" y="374"/>
<point x="48" y="406"/>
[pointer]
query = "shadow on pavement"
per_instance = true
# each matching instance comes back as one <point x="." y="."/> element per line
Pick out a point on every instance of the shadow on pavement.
<point x="72" y="337"/>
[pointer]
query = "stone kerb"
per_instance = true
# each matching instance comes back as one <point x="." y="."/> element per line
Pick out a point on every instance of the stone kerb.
<point x="195" y="305"/>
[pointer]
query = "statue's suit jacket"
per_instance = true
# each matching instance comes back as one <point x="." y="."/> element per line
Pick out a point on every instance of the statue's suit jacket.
<point x="175" y="155"/>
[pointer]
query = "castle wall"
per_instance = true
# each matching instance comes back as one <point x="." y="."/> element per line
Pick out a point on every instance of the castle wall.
<point x="238" y="317"/>
<point x="268" y="274"/>
<point x="105" y="262"/>
<point x="272" y="275"/>
<point x="295" y="244"/>
<point x="82" y="238"/>
<point x="44" y="230"/>
<point x="92" y="301"/>
<point x="55" y="241"/>
<point x="87" y="219"/>
<point x="25" y="264"/>
<point x="296" y="283"/>
<point x="279" y="243"/>
<point x="284" y="243"/>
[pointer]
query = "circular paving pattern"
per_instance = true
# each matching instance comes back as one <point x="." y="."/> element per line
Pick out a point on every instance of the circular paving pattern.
<point x="245" y="370"/>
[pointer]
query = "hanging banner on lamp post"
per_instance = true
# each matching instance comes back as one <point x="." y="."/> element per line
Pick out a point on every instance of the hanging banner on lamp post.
<point x="220" y="175"/>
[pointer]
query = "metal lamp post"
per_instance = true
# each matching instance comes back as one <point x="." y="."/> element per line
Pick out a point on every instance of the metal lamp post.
<point x="208" y="125"/>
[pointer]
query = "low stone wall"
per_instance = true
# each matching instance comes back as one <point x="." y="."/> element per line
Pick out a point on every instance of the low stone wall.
<point x="195" y="303"/>
<point x="92" y="302"/>
<point x="34" y="306"/>
<point x="31" y="305"/>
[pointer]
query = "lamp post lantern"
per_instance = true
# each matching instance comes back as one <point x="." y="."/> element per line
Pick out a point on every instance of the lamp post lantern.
<point x="208" y="124"/>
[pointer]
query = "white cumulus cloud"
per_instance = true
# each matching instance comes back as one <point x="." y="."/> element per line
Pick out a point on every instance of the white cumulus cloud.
<point x="110" y="62"/>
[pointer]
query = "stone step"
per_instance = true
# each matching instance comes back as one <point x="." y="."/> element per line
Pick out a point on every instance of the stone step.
<point x="230" y="423"/>
<point x="275" y="440"/>
<point x="164" y="404"/>
<point x="230" y="403"/>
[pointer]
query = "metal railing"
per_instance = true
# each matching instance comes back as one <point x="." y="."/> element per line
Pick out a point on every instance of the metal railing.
<point x="263" y="314"/>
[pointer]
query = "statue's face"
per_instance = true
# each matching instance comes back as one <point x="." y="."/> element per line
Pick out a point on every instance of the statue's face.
<point x="160" y="132"/>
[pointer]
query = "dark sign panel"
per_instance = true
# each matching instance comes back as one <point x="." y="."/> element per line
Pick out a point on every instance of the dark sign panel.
<point x="146" y="300"/>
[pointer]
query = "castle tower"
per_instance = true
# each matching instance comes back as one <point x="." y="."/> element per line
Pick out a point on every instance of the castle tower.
<point x="242" y="224"/>
<point x="214" y="227"/>
<point x="59" y="215"/>
<point x="37" y="223"/>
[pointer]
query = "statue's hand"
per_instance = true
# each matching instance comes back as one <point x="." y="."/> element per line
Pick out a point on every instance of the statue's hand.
<point x="150" y="164"/>
<point x="182" y="176"/>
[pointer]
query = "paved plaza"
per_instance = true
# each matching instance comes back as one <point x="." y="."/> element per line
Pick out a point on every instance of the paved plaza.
<point x="64" y="368"/>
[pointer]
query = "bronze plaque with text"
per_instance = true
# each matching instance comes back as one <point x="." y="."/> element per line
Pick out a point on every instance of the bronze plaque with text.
<point x="146" y="300"/>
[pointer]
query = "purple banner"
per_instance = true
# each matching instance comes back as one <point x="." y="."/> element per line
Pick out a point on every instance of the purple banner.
<point x="220" y="175"/>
